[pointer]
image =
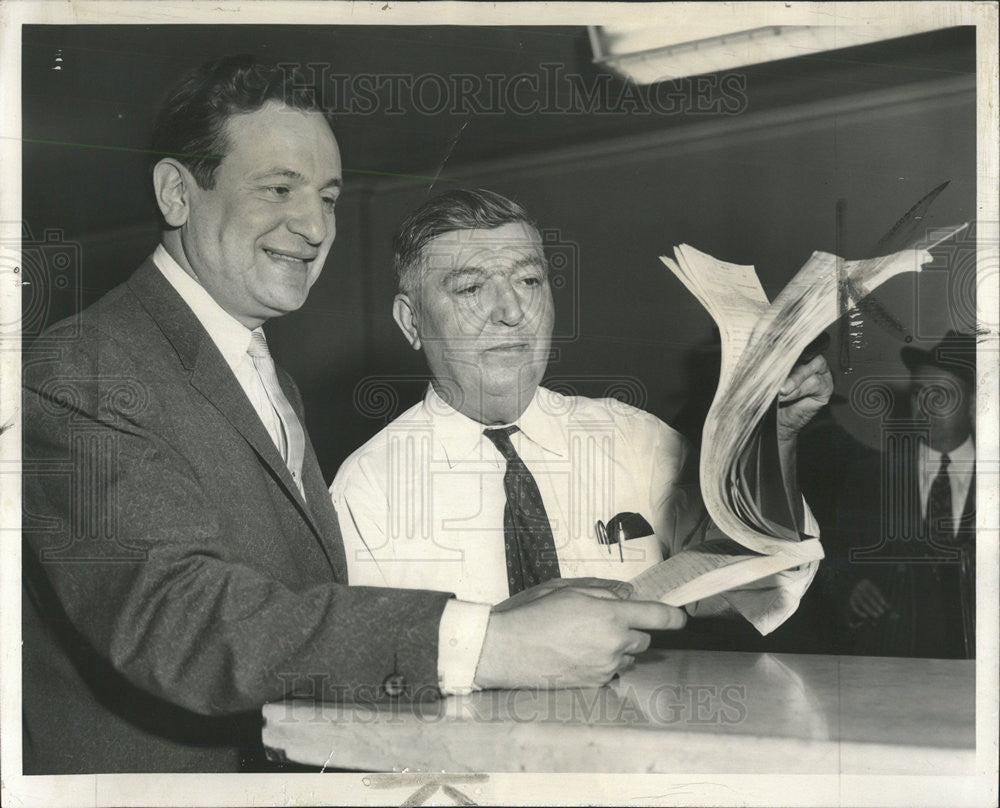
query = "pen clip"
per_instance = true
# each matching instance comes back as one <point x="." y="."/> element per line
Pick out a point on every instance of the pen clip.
<point x="602" y="535"/>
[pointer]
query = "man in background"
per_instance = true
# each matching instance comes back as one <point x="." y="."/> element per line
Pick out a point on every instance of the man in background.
<point x="492" y="483"/>
<point x="909" y="582"/>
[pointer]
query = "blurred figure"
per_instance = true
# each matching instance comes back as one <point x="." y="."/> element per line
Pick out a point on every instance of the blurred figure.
<point x="909" y="585"/>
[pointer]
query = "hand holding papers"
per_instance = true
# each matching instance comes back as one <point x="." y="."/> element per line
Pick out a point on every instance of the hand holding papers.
<point x="761" y="343"/>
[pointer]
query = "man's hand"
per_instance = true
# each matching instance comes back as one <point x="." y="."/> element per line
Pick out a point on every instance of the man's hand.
<point x="806" y="390"/>
<point x="599" y="587"/>
<point x="866" y="601"/>
<point x="568" y="638"/>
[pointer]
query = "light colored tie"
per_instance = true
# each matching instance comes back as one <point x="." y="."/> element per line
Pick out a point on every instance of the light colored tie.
<point x="293" y="440"/>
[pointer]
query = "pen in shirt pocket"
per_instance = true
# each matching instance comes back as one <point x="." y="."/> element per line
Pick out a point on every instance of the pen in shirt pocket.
<point x="620" y="528"/>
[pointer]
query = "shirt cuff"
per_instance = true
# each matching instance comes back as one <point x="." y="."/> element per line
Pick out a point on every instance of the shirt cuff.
<point x="460" y="642"/>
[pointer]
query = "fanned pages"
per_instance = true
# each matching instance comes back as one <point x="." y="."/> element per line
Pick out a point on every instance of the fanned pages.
<point x="761" y="343"/>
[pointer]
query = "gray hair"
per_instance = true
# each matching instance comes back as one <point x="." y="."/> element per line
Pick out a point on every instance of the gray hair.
<point x="464" y="209"/>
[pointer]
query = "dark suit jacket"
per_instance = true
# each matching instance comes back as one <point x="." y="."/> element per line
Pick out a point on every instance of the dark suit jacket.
<point x="881" y="535"/>
<point x="174" y="579"/>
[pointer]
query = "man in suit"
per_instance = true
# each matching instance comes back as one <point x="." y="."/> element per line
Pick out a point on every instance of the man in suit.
<point x="909" y="516"/>
<point x="494" y="483"/>
<point x="182" y="561"/>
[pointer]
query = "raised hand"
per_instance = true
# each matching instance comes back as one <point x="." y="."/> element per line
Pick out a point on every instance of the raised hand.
<point x="806" y="390"/>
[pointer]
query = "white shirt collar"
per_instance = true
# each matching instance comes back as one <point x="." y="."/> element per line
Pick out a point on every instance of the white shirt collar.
<point x="541" y="423"/>
<point x="962" y="456"/>
<point x="460" y="436"/>
<point x="230" y="336"/>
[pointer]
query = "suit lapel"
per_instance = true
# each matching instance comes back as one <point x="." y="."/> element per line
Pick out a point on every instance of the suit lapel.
<point x="322" y="509"/>
<point x="212" y="377"/>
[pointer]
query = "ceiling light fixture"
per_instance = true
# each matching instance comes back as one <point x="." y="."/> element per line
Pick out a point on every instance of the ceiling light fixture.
<point x="650" y="54"/>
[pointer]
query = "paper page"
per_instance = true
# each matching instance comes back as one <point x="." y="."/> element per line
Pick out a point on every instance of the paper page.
<point x="731" y="293"/>
<point x="714" y="567"/>
<point x="806" y="306"/>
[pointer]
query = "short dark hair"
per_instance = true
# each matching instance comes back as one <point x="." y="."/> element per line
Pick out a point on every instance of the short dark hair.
<point x="463" y="209"/>
<point x="191" y="123"/>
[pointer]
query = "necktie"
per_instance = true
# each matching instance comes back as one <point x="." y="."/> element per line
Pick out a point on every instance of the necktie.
<point x="528" y="542"/>
<point x="939" y="515"/>
<point x="292" y="440"/>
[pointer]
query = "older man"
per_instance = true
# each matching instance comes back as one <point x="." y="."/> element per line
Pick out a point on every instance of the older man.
<point x="182" y="562"/>
<point x="492" y="483"/>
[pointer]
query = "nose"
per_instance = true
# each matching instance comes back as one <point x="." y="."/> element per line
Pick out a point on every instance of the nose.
<point x="311" y="221"/>
<point x="507" y="306"/>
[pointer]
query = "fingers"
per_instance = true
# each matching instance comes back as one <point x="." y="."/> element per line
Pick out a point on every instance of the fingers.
<point x="595" y="587"/>
<point x="798" y="375"/>
<point x="623" y="589"/>
<point x="873" y="600"/>
<point x="636" y="642"/>
<point x="596" y="592"/>
<point x="601" y="587"/>
<point x="651" y="615"/>
<point x="866" y="600"/>
<point x="812" y="379"/>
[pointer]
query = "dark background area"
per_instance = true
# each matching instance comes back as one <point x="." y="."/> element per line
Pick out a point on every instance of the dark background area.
<point x="823" y="152"/>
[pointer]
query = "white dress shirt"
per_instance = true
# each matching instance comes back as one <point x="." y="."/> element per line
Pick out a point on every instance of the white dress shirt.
<point x="463" y="625"/>
<point x="421" y="504"/>
<point x="962" y="462"/>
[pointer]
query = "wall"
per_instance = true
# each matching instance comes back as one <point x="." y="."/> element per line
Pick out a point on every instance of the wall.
<point x="758" y="189"/>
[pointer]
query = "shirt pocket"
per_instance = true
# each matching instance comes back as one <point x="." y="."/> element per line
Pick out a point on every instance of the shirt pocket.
<point x="592" y="559"/>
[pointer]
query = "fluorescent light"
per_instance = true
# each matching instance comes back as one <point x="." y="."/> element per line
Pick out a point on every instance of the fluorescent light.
<point x="646" y="55"/>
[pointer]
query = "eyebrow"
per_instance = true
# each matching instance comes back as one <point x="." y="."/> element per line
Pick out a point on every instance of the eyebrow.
<point x="462" y="272"/>
<point x="530" y="260"/>
<point x="333" y="182"/>
<point x="520" y="263"/>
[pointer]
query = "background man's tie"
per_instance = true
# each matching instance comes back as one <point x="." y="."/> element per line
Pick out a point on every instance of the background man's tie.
<point x="292" y="439"/>
<point x="939" y="515"/>
<point x="959" y="585"/>
<point x="528" y="542"/>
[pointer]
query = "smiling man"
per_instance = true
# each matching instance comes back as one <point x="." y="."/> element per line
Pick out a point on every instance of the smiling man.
<point x="493" y="484"/>
<point x="182" y="561"/>
<point x="265" y="220"/>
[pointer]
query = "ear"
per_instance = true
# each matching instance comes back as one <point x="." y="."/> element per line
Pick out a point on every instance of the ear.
<point x="172" y="186"/>
<point x="404" y="312"/>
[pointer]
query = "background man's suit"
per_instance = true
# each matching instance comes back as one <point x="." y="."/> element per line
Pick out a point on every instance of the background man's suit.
<point x="931" y="601"/>
<point x="174" y="580"/>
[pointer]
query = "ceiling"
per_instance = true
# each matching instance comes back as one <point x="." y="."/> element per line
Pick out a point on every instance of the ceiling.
<point x="86" y="124"/>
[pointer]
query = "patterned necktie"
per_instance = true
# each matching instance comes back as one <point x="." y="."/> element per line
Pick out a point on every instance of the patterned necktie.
<point x="528" y="542"/>
<point x="939" y="515"/>
<point x="292" y="440"/>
